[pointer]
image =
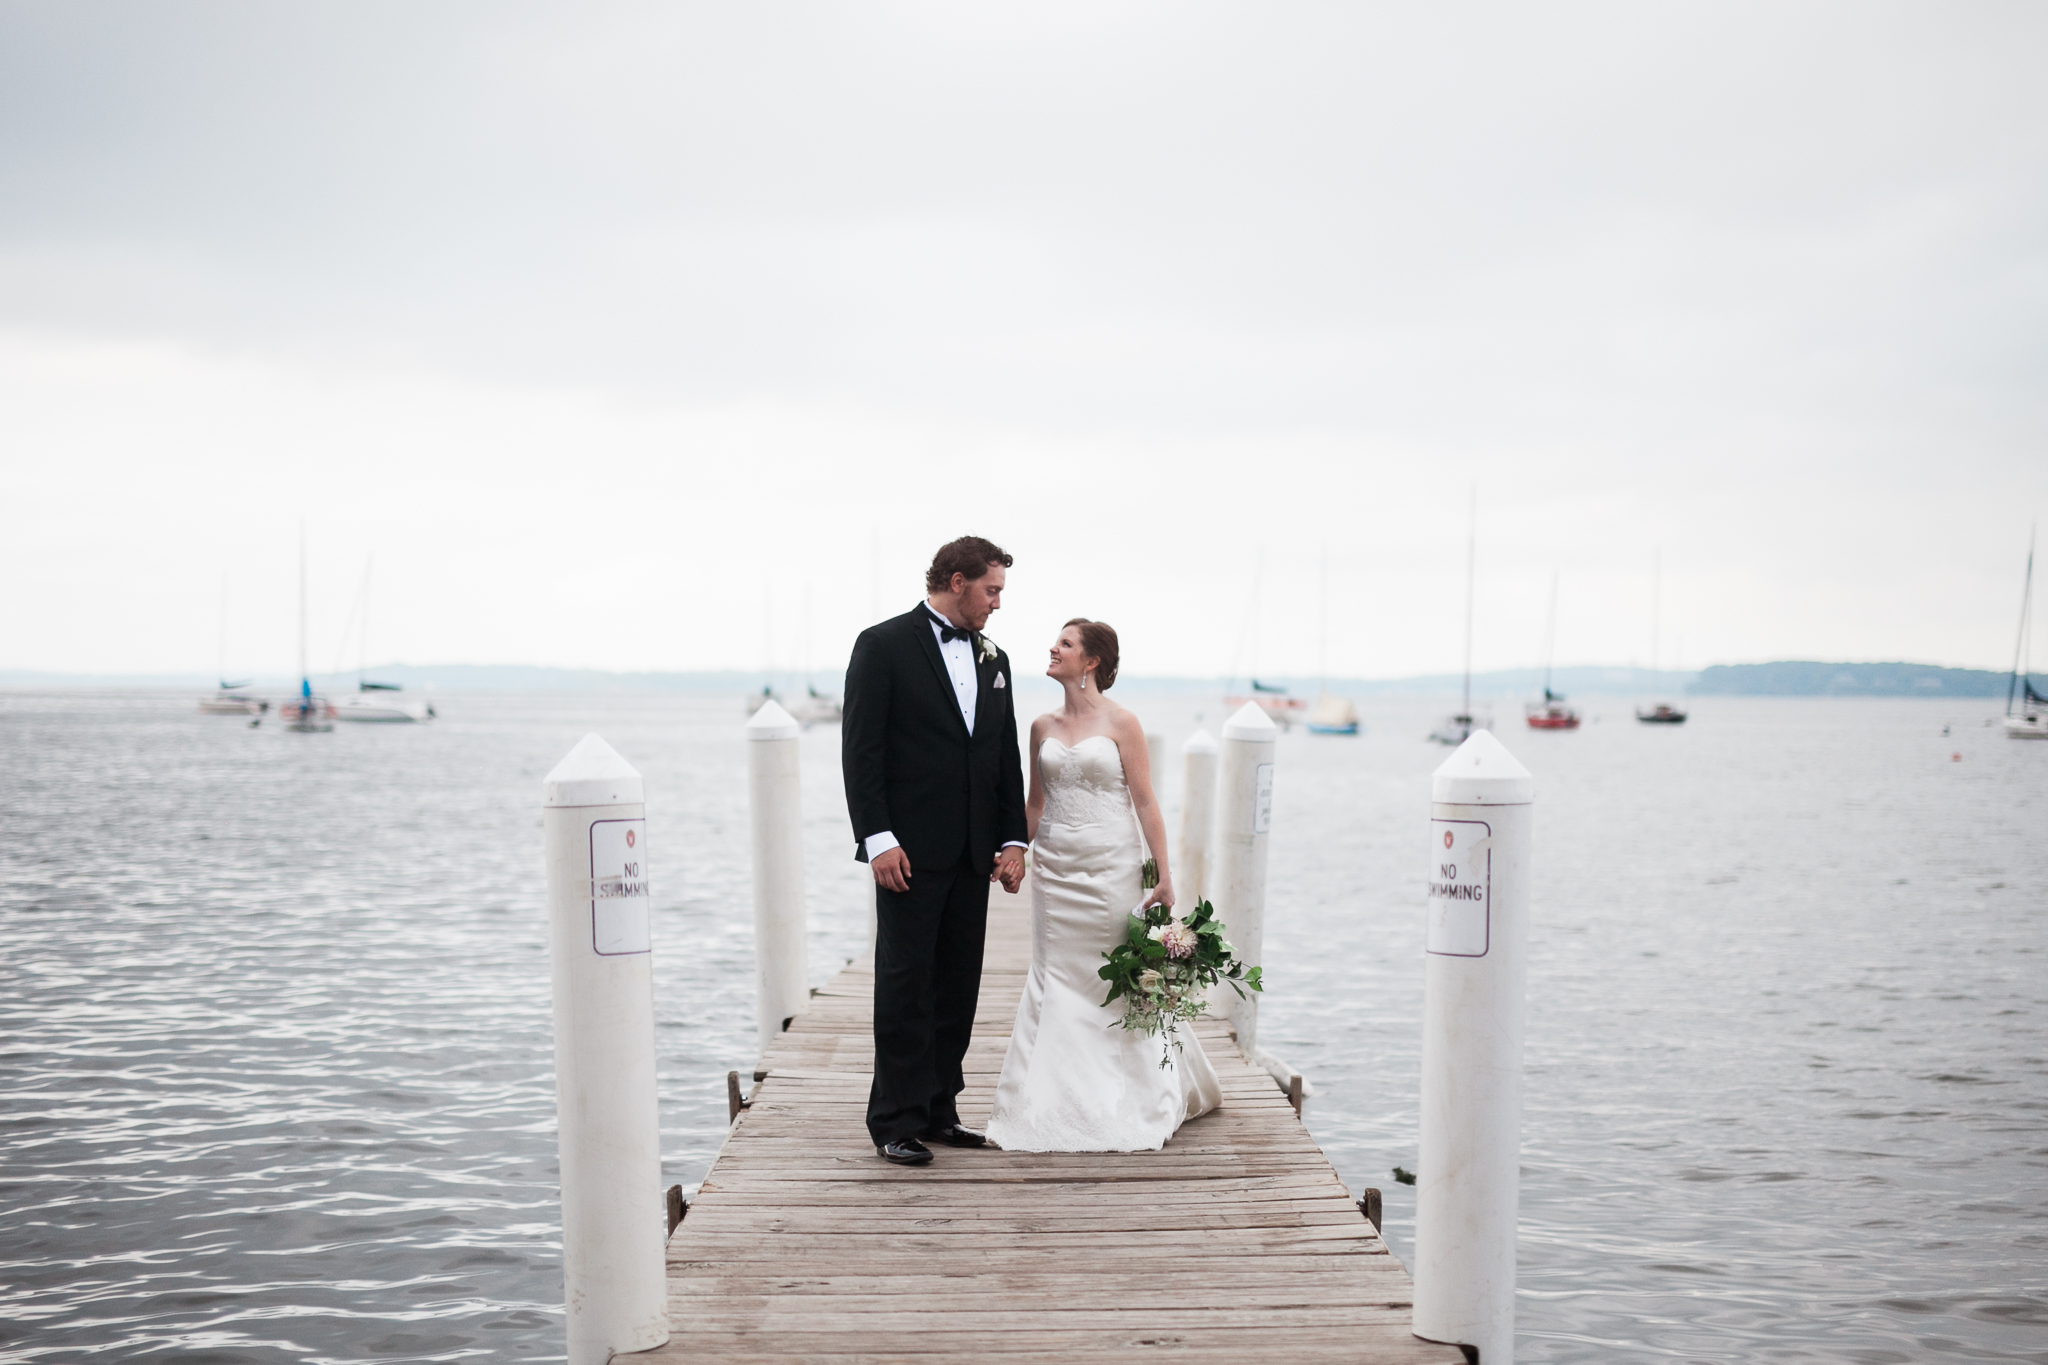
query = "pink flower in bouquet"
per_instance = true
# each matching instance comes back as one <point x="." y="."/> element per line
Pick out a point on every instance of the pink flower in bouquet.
<point x="1178" y="940"/>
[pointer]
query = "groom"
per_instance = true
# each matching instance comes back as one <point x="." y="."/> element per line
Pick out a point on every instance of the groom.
<point x="935" y="787"/>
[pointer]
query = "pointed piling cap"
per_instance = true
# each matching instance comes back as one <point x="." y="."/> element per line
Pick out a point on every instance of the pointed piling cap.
<point x="593" y="775"/>
<point x="772" y="722"/>
<point x="1200" y="742"/>
<point x="1251" y="722"/>
<point x="1482" y="773"/>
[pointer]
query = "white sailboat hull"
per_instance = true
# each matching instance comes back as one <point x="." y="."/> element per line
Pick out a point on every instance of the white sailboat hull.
<point x="2026" y="727"/>
<point x="382" y="710"/>
<point x="1458" y="729"/>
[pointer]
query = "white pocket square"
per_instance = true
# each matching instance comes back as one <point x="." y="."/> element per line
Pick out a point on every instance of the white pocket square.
<point x="999" y="681"/>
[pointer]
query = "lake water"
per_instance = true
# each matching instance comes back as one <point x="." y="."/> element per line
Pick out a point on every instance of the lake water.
<point x="275" y="1073"/>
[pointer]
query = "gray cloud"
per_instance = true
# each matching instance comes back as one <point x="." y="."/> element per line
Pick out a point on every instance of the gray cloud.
<point x="1763" y="282"/>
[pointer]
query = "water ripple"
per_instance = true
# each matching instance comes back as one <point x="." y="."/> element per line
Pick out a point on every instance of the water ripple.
<point x="276" y="1080"/>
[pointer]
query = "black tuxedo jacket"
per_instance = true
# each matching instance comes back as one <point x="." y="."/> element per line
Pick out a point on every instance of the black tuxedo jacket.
<point x="910" y="765"/>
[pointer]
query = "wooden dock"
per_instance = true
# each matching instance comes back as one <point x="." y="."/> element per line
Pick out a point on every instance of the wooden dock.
<point x="1237" y="1242"/>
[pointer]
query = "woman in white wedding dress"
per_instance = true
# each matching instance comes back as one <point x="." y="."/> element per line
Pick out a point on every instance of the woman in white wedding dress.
<point x="1073" y="1081"/>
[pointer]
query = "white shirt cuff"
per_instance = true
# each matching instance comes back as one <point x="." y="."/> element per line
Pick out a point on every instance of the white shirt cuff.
<point x="878" y="844"/>
<point x="1016" y="843"/>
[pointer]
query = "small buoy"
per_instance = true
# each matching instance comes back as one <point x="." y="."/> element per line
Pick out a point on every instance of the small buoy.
<point x="1955" y="758"/>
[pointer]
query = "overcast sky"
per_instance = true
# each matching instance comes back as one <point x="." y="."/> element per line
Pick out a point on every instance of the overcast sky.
<point x="675" y="336"/>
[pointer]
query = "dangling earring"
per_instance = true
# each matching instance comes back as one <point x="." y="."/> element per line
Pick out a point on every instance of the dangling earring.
<point x="1084" y="682"/>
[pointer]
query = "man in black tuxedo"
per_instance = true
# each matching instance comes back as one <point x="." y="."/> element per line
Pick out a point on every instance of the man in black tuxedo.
<point x="935" y="787"/>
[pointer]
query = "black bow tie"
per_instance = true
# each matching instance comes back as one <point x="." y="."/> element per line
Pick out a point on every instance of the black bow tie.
<point x="948" y="633"/>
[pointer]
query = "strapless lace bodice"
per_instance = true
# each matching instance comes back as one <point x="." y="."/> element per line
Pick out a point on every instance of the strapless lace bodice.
<point x="1084" y="785"/>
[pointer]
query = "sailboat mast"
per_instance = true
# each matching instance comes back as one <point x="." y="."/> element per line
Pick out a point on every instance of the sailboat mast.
<point x="2019" y="644"/>
<point x="305" y="679"/>
<point x="1471" y="561"/>
<point x="1550" y="637"/>
<point x="363" y="640"/>
<point x="1323" y="664"/>
<point x="1656" y="611"/>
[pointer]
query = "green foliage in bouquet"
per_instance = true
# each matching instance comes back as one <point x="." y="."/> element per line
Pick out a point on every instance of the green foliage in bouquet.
<point x="1164" y="967"/>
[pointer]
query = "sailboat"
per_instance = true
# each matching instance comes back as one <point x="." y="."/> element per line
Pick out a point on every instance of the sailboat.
<point x="814" y="708"/>
<point x="1331" y="715"/>
<point x="1280" y="707"/>
<point x="233" y="698"/>
<point x="1663" y="713"/>
<point x="818" y="708"/>
<point x="1551" y="713"/>
<point x="2031" y="720"/>
<point x="1457" y="729"/>
<point x="305" y="714"/>
<point x="375" y="701"/>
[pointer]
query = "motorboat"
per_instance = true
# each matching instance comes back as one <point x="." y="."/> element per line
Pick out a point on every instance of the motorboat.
<point x="1663" y="713"/>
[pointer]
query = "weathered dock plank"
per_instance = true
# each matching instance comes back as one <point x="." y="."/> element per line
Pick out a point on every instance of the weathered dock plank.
<point x="1236" y="1242"/>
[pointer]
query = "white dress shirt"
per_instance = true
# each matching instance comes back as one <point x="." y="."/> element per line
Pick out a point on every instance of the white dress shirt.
<point x="959" y="656"/>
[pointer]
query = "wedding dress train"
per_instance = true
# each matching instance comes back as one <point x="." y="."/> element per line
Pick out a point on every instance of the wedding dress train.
<point x="1072" y="1080"/>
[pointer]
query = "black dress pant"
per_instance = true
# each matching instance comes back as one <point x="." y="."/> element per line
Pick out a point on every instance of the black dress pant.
<point x="928" y="943"/>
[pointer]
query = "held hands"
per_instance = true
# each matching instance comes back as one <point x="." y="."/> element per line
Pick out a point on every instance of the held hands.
<point x="892" y="869"/>
<point x="1009" y="869"/>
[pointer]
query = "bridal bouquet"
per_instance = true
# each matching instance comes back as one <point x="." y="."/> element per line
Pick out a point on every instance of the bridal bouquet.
<point x="1165" y="966"/>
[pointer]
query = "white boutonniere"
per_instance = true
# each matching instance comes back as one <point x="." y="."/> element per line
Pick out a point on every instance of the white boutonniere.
<point x="984" y="647"/>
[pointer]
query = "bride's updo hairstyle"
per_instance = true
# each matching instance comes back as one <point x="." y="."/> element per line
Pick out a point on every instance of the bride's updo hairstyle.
<point x="1098" y="642"/>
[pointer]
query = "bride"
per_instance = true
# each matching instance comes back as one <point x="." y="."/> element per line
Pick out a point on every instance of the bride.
<point x="1073" y="1081"/>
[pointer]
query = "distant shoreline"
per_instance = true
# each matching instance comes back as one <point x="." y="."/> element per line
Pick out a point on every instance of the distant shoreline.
<point x="1788" y="678"/>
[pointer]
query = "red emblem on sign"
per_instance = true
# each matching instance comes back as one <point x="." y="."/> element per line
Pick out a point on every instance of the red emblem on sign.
<point x="629" y="838"/>
<point x="1447" y="838"/>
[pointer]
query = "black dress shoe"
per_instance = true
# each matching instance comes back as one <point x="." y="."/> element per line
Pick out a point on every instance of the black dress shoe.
<point x="953" y="1135"/>
<point x="906" y="1152"/>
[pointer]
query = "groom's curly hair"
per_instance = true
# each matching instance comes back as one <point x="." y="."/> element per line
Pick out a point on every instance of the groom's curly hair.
<point x="970" y="555"/>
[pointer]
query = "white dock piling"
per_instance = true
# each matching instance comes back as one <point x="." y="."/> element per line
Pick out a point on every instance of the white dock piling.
<point x="1237" y="880"/>
<point x="1197" y="817"/>
<point x="600" y="941"/>
<point x="775" y="796"/>
<point x="1473" y="1007"/>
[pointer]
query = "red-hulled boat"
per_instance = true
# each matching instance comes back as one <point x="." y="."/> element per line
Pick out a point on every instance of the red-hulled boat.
<point x="1551" y="713"/>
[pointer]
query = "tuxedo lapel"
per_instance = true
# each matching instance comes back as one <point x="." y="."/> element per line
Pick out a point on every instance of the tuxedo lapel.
<point x="984" y="674"/>
<point x="921" y="622"/>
